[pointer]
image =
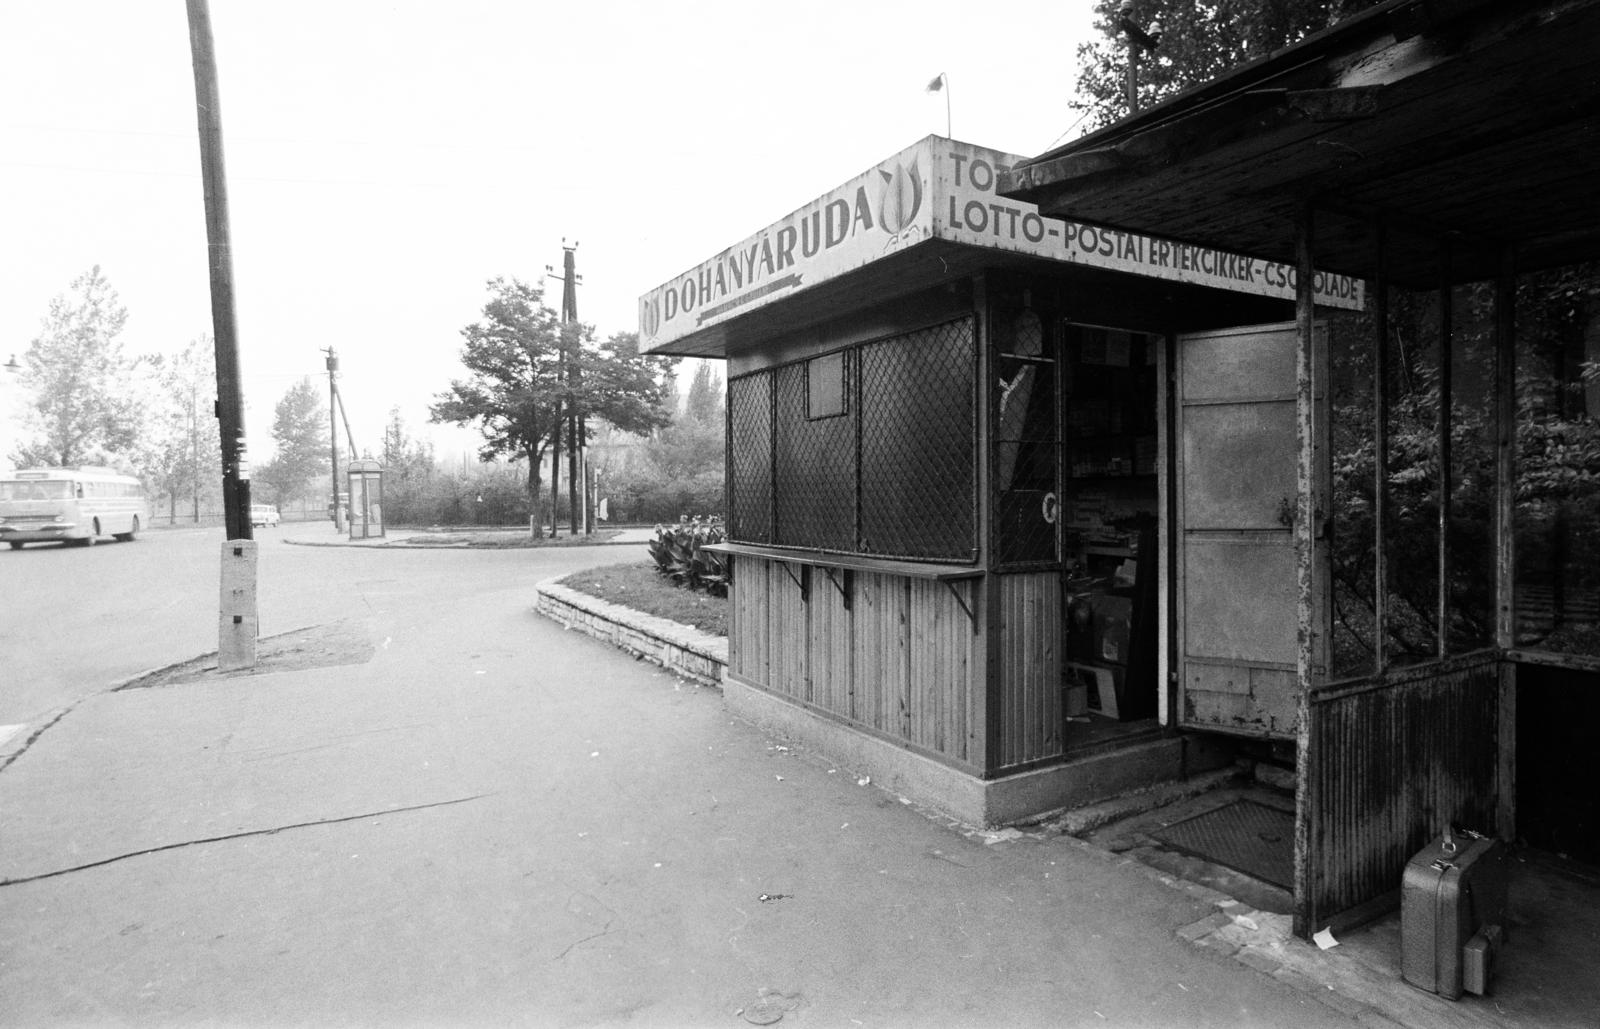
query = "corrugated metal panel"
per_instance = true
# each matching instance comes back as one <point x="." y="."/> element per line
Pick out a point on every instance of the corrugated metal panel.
<point x="1030" y="668"/>
<point x="1391" y="764"/>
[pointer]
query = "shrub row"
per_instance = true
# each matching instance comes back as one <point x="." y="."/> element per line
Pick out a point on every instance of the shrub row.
<point x="680" y="554"/>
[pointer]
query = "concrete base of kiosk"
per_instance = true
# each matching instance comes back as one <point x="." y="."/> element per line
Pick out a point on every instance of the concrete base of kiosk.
<point x="965" y="797"/>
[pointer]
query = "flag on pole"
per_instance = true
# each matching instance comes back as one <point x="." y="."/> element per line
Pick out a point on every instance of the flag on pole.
<point x="941" y="84"/>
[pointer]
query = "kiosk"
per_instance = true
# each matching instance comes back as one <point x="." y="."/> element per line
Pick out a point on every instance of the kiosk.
<point x="1435" y="628"/>
<point x="952" y="484"/>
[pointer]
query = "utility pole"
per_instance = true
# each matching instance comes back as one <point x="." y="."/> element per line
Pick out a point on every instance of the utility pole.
<point x="570" y="373"/>
<point x="575" y="416"/>
<point x="237" y="619"/>
<point x="1138" y="39"/>
<point x="333" y="436"/>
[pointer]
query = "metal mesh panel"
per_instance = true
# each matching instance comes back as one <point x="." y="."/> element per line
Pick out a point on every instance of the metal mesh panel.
<point x="750" y="458"/>
<point x="814" y="464"/>
<point x="1027" y="504"/>
<point x="917" y="440"/>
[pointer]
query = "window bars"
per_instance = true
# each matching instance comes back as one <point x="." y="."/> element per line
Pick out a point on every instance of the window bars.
<point x="887" y="469"/>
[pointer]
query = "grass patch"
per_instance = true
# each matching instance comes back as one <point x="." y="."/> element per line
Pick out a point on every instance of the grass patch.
<point x="639" y="586"/>
<point x="503" y="539"/>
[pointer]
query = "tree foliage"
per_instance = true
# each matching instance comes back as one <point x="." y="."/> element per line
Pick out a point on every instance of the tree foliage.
<point x="680" y="470"/>
<point x="1198" y="42"/>
<point x="183" y="457"/>
<point x="1557" y="488"/>
<point x="78" y="374"/>
<point x="526" y="372"/>
<point x="409" y="475"/>
<point x="300" y="430"/>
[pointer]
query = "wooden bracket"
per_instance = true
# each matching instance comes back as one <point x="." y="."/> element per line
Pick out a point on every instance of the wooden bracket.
<point x="844" y="582"/>
<point x="950" y="585"/>
<point x="802" y="579"/>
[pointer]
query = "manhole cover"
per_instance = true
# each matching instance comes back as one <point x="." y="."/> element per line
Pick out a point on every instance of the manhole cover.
<point x="1248" y="837"/>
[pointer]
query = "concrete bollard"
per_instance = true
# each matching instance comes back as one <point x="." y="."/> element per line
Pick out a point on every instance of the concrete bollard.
<point x="237" y="624"/>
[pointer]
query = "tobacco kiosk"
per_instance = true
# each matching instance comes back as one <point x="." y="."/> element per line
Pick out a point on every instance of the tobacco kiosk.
<point x="951" y="499"/>
<point x="1441" y="627"/>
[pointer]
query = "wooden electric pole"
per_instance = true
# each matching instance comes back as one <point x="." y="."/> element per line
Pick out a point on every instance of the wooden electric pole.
<point x="238" y="619"/>
<point x="333" y="439"/>
<point x="571" y="420"/>
<point x="575" y="417"/>
<point x="1138" y="39"/>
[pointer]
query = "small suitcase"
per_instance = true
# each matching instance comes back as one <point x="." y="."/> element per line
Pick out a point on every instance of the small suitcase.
<point x="1453" y="894"/>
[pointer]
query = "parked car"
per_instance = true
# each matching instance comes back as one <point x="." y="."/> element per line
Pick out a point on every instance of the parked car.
<point x="264" y="515"/>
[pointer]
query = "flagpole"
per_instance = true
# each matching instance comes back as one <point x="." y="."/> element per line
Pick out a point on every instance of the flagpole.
<point x="941" y="82"/>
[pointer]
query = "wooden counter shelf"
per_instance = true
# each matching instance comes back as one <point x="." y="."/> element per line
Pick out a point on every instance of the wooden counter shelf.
<point x="846" y="564"/>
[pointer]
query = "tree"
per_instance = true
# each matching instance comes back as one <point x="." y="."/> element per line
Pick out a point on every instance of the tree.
<point x="518" y="387"/>
<point x="184" y="458"/>
<point x="77" y="373"/>
<point x="1198" y="42"/>
<point x="300" y="429"/>
<point x="681" y="469"/>
<point x="408" y="471"/>
<point x="704" y="403"/>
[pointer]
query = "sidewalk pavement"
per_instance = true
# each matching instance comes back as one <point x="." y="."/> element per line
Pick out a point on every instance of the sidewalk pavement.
<point x="496" y="820"/>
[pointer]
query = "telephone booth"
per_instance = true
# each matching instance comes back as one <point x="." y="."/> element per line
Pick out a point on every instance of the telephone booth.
<point x="365" y="478"/>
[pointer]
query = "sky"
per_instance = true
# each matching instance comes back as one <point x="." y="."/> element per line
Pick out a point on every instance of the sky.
<point x="385" y="160"/>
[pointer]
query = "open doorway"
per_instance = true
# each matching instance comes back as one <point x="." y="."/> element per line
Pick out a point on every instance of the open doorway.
<point x="1110" y="538"/>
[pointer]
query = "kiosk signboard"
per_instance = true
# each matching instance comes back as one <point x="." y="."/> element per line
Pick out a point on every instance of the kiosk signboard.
<point x="937" y="189"/>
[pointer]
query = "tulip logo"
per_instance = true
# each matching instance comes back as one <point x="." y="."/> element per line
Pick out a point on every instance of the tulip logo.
<point x="900" y="199"/>
<point x="649" y="316"/>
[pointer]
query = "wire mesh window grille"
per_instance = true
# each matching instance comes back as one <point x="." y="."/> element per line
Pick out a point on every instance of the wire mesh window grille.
<point x="918" y="432"/>
<point x="1026" y="442"/>
<point x="894" y="475"/>
<point x="750" y="458"/>
<point x="814" y="466"/>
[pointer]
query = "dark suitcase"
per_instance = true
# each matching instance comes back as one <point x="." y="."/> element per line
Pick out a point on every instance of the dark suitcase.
<point x="1452" y="914"/>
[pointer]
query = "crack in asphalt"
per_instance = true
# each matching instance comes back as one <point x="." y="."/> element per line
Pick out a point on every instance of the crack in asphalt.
<point x="37" y="733"/>
<point x="237" y="836"/>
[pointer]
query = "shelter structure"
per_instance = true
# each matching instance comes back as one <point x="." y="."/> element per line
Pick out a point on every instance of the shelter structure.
<point x="1436" y="600"/>
<point x="952" y="501"/>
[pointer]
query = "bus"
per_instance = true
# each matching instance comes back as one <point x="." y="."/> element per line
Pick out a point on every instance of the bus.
<point x="73" y="506"/>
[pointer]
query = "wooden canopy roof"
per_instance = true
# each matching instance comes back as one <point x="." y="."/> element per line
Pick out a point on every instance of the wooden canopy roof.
<point x="1468" y="121"/>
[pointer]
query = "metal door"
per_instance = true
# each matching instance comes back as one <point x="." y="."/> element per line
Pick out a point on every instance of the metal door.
<point x="1235" y="470"/>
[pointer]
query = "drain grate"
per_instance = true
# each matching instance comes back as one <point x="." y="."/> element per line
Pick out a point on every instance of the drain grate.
<point x="1248" y="837"/>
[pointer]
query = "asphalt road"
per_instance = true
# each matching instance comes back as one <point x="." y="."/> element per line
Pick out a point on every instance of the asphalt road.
<point x="74" y="620"/>
<point x="495" y="821"/>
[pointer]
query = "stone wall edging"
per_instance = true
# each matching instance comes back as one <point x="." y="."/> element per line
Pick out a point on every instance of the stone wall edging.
<point x="681" y="649"/>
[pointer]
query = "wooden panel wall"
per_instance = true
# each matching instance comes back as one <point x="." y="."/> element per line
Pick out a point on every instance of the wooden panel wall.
<point x="901" y="658"/>
<point x="747" y="630"/>
<point x="1388" y="765"/>
<point x="1028" y="668"/>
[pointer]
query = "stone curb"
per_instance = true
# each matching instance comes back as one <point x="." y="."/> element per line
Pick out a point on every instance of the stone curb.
<point x="405" y="544"/>
<point x="681" y="649"/>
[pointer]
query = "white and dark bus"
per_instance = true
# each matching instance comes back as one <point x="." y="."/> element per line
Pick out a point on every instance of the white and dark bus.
<point x="70" y="505"/>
